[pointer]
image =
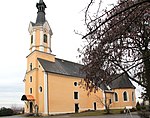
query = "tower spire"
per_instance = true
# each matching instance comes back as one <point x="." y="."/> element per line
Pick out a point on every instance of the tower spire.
<point x="40" y="31"/>
<point x="41" y="12"/>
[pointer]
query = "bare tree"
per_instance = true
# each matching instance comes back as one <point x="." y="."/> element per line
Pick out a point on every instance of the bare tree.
<point x="106" y="100"/>
<point x="118" y="41"/>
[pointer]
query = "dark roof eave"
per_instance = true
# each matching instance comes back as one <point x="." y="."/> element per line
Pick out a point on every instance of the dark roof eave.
<point x="124" y="88"/>
<point x="64" y="74"/>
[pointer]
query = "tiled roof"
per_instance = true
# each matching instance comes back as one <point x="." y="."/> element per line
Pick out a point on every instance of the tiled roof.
<point x="62" y="67"/>
<point x="121" y="82"/>
<point x="68" y="68"/>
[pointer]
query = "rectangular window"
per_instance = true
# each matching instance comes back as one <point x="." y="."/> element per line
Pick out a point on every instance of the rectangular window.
<point x="31" y="39"/>
<point x="95" y="106"/>
<point x="75" y="95"/>
<point x="30" y="66"/>
<point x="110" y="101"/>
<point x="30" y="90"/>
<point x="30" y="78"/>
<point x="45" y="38"/>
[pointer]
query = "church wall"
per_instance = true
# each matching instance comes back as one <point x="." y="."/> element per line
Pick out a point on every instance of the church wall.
<point x="61" y="95"/>
<point x="121" y="103"/>
<point x="40" y="97"/>
<point x="32" y="58"/>
<point x="37" y="77"/>
<point x="30" y="85"/>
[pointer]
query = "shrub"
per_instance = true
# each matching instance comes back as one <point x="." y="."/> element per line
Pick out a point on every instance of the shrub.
<point x="138" y="106"/>
<point x="6" y="111"/>
<point x="143" y="107"/>
<point x="133" y="109"/>
<point x="122" y="111"/>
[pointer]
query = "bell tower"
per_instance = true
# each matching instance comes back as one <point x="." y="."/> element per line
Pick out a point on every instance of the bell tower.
<point x="40" y="31"/>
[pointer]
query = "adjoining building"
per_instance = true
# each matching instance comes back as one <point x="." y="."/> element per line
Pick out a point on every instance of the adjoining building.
<point x="53" y="85"/>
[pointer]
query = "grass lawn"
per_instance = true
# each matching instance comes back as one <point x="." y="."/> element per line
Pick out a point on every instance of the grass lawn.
<point x="96" y="113"/>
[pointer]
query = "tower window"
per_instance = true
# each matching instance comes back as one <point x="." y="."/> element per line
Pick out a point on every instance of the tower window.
<point x="30" y="66"/>
<point x="31" y="39"/>
<point x="30" y="90"/>
<point x="75" y="95"/>
<point x="30" y="78"/>
<point x="45" y="38"/>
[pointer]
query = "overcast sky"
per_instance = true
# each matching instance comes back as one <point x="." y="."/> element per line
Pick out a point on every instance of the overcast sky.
<point x="64" y="16"/>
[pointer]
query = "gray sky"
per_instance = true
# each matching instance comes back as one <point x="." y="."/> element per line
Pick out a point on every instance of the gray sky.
<point x="63" y="16"/>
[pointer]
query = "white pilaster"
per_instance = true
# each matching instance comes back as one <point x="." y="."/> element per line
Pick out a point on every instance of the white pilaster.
<point x="49" y="43"/>
<point x="41" y="48"/>
<point x="41" y="37"/>
<point x="45" y="93"/>
<point x="34" y="38"/>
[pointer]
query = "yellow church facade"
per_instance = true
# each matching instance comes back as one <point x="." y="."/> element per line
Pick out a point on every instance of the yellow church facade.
<point x="53" y="85"/>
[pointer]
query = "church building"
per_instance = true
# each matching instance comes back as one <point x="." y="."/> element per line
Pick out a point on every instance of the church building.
<point x="53" y="85"/>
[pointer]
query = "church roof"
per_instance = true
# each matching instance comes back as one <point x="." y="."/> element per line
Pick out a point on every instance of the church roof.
<point x="62" y="67"/>
<point x="121" y="82"/>
<point x="68" y="68"/>
<point x="40" y="20"/>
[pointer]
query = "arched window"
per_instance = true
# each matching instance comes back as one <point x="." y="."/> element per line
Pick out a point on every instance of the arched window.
<point x="45" y="38"/>
<point x="132" y="96"/>
<point x="125" y="96"/>
<point x="116" y="97"/>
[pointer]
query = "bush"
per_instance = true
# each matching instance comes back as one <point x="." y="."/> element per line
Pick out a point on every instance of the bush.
<point x="138" y="106"/>
<point x="143" y="107"/>
<point x="6" y="111"/>
<point x="133" y="109"/>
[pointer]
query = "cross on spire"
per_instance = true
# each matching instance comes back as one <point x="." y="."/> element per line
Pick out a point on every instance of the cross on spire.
<point x="41" y="12"/>
<point x="41" y="6"/>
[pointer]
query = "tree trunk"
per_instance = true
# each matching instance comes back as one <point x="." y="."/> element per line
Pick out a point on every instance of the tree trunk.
<point x="147" y="75"/>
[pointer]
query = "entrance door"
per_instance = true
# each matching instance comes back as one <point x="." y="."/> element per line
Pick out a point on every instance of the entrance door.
<point x="31" y="107"/>
<point x="76" y="108"/>
<point x="94" y="105"/>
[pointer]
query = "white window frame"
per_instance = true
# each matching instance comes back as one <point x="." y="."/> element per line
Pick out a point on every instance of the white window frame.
<point x="115" y="97"/>
<point x="127" y="96"/>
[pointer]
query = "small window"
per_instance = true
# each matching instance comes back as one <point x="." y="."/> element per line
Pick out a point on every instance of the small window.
<point x="95" y="106"/>
<point x="30" y="90"/>
<point x="30" y="66"/>
<point x="40" y="89"/>
<point x="110" y="101"/>
<point x="31" y="39"/>
<point x="30" y="78"/>
<point x="132" y="96"/>
<point x="45" y="38"/>
<point x="75" y="95"/>
<point x="125" y="98"/>
<point x="116" y="97"/>
<point x="75" y="84"/>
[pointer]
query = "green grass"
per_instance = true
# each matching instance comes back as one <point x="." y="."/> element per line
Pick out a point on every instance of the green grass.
<point x="96" y="113"/>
